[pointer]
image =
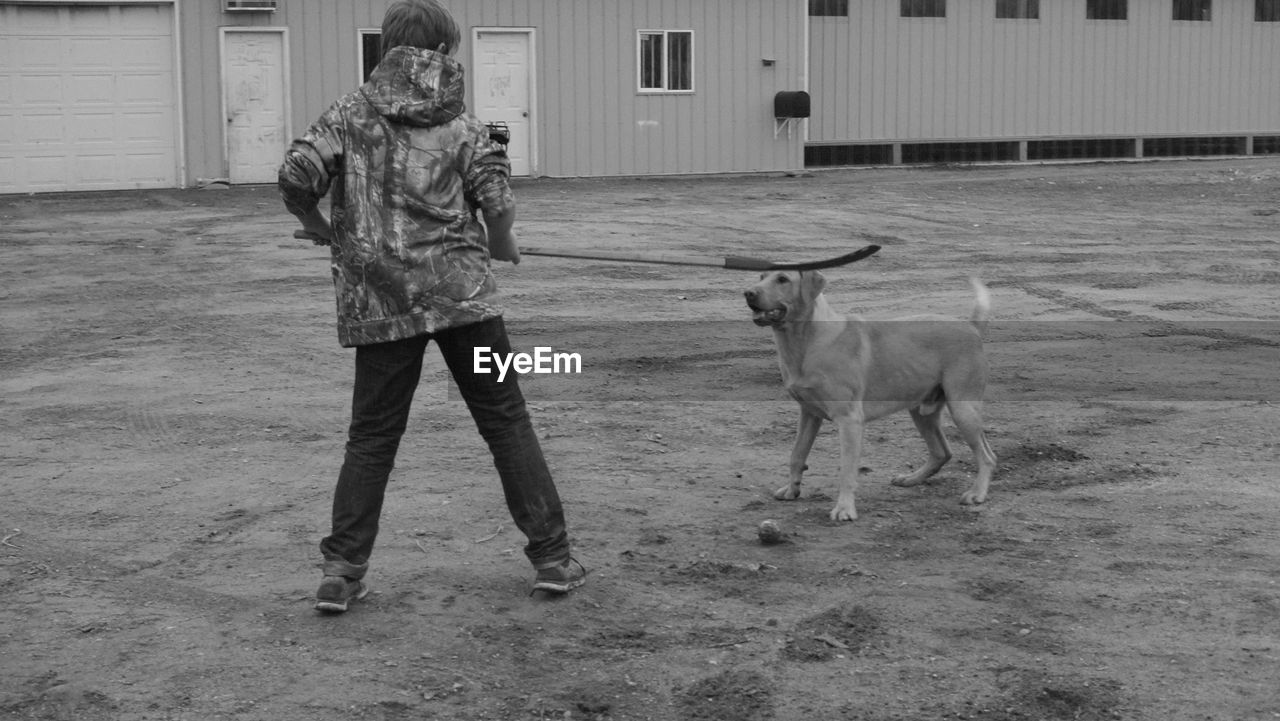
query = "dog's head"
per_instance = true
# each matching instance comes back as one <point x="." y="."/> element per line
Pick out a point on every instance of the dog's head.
<point x="783" y="295"/>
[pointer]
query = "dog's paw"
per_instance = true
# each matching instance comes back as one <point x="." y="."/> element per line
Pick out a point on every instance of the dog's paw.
<point x="906" y="480"/>
<point x="787" y="493"/>
<point x="972" y="498"/>
<point x="842" y="513"/>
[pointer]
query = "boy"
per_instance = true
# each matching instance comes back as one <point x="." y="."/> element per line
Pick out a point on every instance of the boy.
<point x="407" y="168"/>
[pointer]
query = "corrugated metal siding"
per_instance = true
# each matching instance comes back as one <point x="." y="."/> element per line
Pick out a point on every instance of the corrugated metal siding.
<point x="590" y="119"/>
<point x="880" y="77"/>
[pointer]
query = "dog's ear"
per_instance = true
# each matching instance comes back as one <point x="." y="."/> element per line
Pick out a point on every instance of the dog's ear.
<point x="812" y="282"/>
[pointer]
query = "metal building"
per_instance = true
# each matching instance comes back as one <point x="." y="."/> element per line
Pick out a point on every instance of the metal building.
<point x="954" y="80"/>
<point x="106" y="94"/>
<point x="160" y="93"/>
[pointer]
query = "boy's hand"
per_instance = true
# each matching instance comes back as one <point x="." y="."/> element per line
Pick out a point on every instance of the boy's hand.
<point x="316" y="227"/>
<point x="308" y="235"/>
<point x="319" y="234"/>
<point x="502" y="236"/>
<point x="505" y="248"/>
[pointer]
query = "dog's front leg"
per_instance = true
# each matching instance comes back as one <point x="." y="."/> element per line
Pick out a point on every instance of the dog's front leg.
<point x="806" y="431"/>
<point x="850" y="452"/>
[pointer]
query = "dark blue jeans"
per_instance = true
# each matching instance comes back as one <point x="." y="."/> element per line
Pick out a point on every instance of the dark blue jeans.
<point x="387" y="375"/>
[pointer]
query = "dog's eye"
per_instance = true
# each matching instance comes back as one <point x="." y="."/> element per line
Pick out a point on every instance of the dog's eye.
<point x="783" y="279"/>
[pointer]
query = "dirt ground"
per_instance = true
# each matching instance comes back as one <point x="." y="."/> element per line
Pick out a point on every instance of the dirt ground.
<point x="174" y="404"/>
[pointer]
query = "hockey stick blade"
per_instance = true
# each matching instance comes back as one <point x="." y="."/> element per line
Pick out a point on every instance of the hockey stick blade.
<point x="737" y="263"/>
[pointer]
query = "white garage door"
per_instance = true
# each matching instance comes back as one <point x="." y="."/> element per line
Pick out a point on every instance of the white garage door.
<point x="86" y="97"/>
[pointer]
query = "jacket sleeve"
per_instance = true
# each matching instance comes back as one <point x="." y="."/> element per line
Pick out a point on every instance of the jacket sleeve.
<point x="311" y="163"/>
<point x="488" y="172"/>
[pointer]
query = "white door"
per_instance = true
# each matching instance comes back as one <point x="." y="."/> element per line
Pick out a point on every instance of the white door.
<point x="254" y="103"/>
<point x="503" y="88"/>
<point x="87" y="97"/>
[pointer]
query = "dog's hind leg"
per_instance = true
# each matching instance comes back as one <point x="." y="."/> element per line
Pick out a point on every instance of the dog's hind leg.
<point x="968" y="418"/>
<point x="806" y="432"/>
<point x="929" y="422"/>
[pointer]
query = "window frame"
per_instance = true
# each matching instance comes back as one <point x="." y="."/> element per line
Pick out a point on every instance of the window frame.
<point x="666" y="88"/>
<point x="362" y="70"/>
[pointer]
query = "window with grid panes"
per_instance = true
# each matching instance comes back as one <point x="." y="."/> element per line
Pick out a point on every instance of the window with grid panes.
<point x="666" y="61"/>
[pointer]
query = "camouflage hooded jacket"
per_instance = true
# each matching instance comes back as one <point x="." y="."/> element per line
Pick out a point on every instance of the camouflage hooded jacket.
<point x="407" y="168"/>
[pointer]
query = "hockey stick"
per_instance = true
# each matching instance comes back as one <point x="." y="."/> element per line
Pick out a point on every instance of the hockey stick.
<point x="727" y="262"/>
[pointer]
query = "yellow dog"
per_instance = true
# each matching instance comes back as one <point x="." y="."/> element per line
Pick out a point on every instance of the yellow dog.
<point x="852" y="371"/>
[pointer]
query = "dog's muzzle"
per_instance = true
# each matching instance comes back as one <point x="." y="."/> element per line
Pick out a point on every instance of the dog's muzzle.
<point x="764" y="316"/>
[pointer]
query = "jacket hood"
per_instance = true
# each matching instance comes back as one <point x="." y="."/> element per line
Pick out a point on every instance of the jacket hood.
<point x="416" y="87"/>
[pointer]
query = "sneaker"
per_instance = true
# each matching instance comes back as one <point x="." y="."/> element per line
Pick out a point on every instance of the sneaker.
<point x="337" y="591"/>
<point x="560" y="579"/>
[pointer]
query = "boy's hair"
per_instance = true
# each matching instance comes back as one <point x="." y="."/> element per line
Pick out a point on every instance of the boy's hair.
<point x="421" y="24"/>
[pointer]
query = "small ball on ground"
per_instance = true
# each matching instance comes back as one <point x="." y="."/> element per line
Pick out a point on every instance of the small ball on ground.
<point x="770" y="532"/>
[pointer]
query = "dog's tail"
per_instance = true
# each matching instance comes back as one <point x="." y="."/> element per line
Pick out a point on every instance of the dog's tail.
<point x="981" y="306"/>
